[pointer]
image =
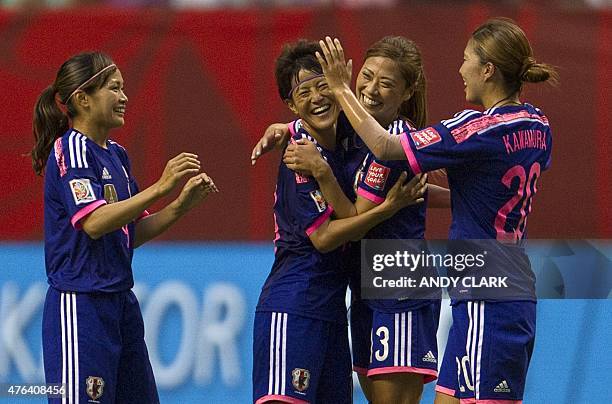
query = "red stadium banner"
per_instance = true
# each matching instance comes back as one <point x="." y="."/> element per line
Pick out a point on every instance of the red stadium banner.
<point x="204" y="82"/>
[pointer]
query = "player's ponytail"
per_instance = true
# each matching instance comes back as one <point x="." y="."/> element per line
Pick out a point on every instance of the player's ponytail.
<point x="533" y="72"/>
<point x="406" y="54"/>
<point x="83" y="72"/>
<point x="503" y="43"/>
<point x="49" y="123"/>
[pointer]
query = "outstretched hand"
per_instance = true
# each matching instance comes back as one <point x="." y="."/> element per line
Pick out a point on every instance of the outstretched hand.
<point x="195" y="191"/>
<point x="180" y="166"/>
<point x="276" y="135"/>
<point x="337" y="72"/>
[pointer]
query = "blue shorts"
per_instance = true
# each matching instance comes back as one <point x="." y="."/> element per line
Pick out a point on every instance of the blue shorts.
<point x="94" y="343"/>
<point x="360" y="319"/>
<point x="300" y="360"/>
<point x="402" y="342"/>
<point x="488" y="351"/>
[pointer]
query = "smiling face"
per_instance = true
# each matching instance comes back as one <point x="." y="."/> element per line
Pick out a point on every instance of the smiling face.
<point x="313" y="102"/>
<point x="472" y="72"/>
<point x="107" y="107"/>
<point x="381" y="89"/>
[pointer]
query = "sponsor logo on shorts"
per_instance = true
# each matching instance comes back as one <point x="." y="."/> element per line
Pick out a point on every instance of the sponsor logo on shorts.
<point x="502" y="387"/>
<point x="95" y="388"/>
<point x="82" y="191"/>
<point x="318" y="199"/>
<point x="425" y="137"/>
<point x="430" y="357"/>
<point x="301" y="379"/>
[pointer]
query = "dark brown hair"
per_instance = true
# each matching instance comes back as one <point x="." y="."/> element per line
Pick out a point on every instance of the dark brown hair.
<point x="293" y="58"/>
<point x="503" y="43"/>
<point x="406" y="54"/>
<point x="50" y="121"/>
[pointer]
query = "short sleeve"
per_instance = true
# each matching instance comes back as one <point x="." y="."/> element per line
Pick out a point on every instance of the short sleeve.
<point x="80" y="186"/>
<point x="378" y="178"/>
<point x="447" y="144"/>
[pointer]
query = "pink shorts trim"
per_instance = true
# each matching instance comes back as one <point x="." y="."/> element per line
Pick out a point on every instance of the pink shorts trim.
<point x="278" y="397"/>
<point x="429" y="374"/>
<point x="320" y="220"/>
<point x="76" y="219"/>
<point x="360" y="371"/>
<point x="414" y="164"/>
<point x="445" y="390"/>
<point x="370" y="196"/>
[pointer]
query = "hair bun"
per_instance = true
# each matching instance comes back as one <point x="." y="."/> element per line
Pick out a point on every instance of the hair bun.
<point x="528" y="63"/>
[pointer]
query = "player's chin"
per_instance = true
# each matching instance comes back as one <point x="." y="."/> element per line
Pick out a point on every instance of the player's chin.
<point x="118" y="121"/>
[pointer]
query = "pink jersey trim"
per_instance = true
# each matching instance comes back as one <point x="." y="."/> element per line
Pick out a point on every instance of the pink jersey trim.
<point x="414" y="164"/>
<point x="468" y="129"/>
<point x="445" y="390"/>
<point x="142" y="215"/>
<point x="361" y="371"/>
<point x="474" y="401"/>
<point x="370" y="196"/>
<point x="429" y="374"/>
<point x="278" y="397"/>
<point x="84" y="212"/>
<point x="291" y="128"/>
<point x="320" y="220"/>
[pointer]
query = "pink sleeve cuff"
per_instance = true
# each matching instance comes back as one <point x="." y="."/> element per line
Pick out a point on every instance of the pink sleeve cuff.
<point x="291" y="127"/>
<point x="370" y="196"/>
<point x="320" y="220"/>
<point x="414" y="164"/>
<point x="142" y="215"/>
<point x="76" y="219"/>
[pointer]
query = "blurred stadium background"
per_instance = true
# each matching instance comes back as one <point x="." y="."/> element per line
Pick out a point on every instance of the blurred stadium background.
<point x="199" y="77"/>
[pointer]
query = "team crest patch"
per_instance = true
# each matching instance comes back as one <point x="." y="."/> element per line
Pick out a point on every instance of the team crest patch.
<point x="318" y="199"/>
<point x="377" y="176"/>
<point x="95" y="387"/>
<point x="425" y="137"/>
<point x="82" y="191"/>
<point x="110" y="194"/>
<point x="300" y="379"/>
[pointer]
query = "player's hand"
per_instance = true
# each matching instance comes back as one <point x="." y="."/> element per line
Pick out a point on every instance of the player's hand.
<point x="405" y="193"/>
<point x="195" y="191"/>
<point x="304" y="158"/>
<point x="184" y="164"/>
<point x="337" y="71"/>
<point x="275" y="136"/>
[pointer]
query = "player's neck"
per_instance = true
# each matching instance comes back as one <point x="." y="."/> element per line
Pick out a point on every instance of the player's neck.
<point x="325" y="138"/>
<point x="499" y="98"/>
<point x="93" y="132"/>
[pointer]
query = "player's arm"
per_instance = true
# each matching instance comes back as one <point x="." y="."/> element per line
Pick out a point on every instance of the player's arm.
<point x="111" y="217"/>
<point x="438" y="197"/>
<point x="331" y="234"/>
<point x="275" y="137"/>
<point x="194" y="192"/>
<point x="303" y="157"/>
<point x="338" y="74"/>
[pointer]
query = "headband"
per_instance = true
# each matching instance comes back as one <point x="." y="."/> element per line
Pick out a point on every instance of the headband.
<point x="89" y="80"/>
<point x="299" y="83"/>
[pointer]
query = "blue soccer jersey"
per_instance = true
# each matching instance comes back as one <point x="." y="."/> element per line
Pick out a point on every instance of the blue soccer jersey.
<point x="493" y="160"/>
<point x="377" y="179"/>
<point x="80" y="177"/>
<point x="304" y="281"/>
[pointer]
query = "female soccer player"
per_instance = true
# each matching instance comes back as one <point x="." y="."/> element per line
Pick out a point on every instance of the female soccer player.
<point x="391" y="86"/>
<point x="93" y="334"/>
<point x="396" y="346"/>
<point x="493" y="159"/>
<point x="300" y="337"/>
